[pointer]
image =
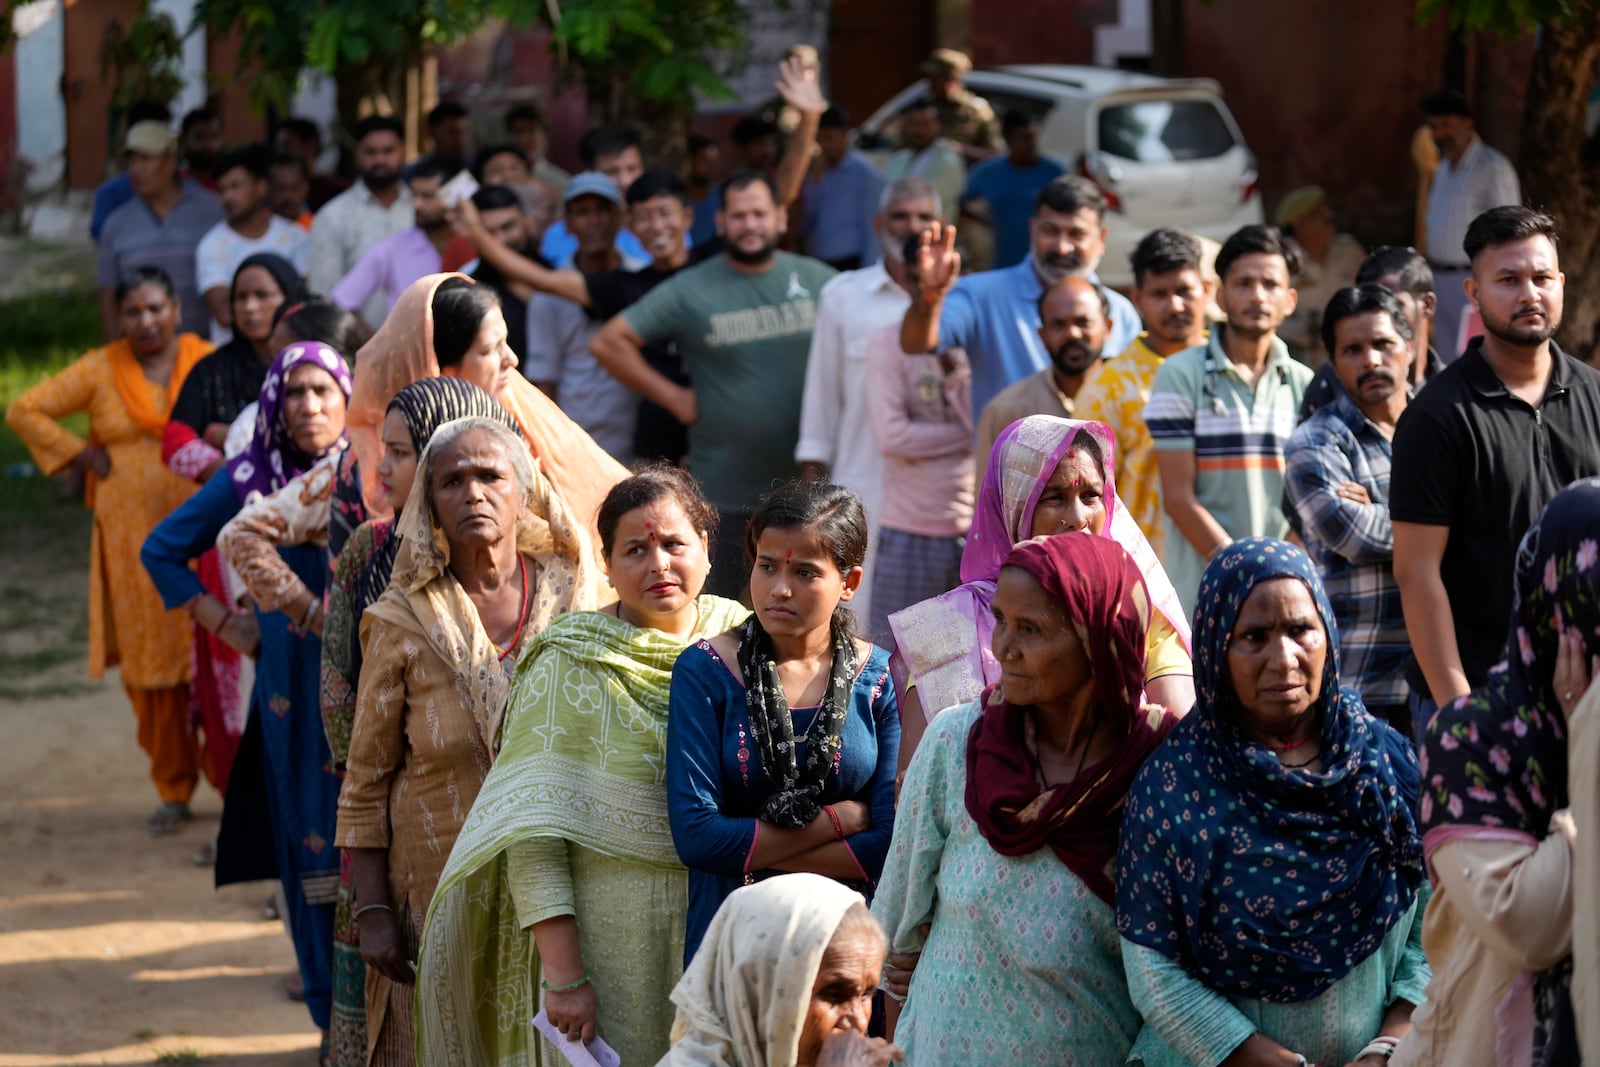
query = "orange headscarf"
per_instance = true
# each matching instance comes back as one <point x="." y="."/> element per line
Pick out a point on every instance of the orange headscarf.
<point x="133" y="389"/>
<point x="401" y="352"/>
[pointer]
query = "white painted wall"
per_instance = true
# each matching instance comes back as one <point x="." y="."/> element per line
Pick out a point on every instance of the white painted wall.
<point x="1129" y="37"/>
<point x="41" y="110"/>
<point x="194" y="55"/>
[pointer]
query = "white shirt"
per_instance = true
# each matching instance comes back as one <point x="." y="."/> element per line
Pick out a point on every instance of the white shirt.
<point x="223" y="248"/>
<point x="1483" y="179"/>
<point x="344" y="229"/>
<point x="835" y="421"/>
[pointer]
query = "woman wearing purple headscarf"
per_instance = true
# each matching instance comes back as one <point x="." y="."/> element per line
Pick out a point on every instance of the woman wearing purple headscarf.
<point x="1046" y="476"/>
<point x="278" y="817"/>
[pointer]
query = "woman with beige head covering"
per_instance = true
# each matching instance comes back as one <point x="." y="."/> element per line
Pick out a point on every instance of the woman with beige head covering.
<point x="784" y="978"/>
<point x="448" y="324"/>
<point x="488" y="557"/>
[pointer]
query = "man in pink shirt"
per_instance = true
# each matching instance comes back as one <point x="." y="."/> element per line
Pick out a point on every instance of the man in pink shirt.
<point x="391" y="265"/>
<point x="920" y="410"/>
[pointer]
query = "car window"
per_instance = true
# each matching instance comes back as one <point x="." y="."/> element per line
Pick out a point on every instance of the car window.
<point x="1164" y="131"/>
<point x="1003" y="100"/>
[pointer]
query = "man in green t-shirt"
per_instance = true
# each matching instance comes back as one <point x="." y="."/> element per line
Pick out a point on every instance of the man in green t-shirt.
<point x="742" y="321"/>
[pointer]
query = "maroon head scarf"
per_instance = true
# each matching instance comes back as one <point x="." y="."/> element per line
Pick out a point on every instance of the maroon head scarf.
<point x="1103" y="596"/>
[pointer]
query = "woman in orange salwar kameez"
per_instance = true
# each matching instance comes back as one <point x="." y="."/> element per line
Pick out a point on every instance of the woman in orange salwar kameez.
<point x="128" y="388"/>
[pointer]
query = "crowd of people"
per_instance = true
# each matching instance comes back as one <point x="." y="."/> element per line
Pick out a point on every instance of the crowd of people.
<point x="768" y="642"/>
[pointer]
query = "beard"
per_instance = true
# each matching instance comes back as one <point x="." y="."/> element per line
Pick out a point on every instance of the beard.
<point x="379" y="179"/>
<point x="1523" y="333"/>
<point x="1073" y="358"/>
<point x="1054" y="267"/>
<point x="753" y="257"/>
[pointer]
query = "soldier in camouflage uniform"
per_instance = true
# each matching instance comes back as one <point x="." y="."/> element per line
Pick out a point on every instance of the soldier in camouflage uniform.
<point x="967" y="120"/>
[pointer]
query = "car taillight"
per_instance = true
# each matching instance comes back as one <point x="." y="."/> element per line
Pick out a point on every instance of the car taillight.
<point x="1089" y="166"/>
<point x="1248" y="185"/>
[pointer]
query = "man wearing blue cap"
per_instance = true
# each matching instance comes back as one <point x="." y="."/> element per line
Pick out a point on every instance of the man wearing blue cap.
<point x="559" y="330"/>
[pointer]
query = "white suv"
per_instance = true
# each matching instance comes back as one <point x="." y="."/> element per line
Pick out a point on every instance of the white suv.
<point x="1164" y="151"/>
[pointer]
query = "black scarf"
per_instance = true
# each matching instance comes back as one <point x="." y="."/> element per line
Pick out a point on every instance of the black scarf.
<point x="797" y="799"/>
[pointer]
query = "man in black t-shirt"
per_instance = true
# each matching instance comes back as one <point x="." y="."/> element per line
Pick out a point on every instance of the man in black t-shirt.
<point x="659" y="214"/>
<point x="1480" y="452"/>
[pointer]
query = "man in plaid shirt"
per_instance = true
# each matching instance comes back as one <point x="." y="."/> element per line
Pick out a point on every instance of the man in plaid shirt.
<point x="1337" y="482"/>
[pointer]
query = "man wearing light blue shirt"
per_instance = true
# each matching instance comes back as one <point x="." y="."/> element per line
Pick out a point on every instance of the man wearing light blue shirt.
<point x="842" y="200"/>
<point x="994" y="315"/>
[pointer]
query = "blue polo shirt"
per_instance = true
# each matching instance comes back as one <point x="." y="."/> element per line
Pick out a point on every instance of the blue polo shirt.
<point x="994" y="315"/>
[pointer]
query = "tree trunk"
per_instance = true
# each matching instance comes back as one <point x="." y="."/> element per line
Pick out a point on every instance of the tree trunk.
<point x="1560" y="166"/>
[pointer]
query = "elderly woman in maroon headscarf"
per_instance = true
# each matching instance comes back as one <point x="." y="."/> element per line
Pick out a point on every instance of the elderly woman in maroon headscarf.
<point x="1000" y="871"/>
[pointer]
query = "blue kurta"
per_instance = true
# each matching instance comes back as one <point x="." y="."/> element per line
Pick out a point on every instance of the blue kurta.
<point x="279" y="814"/>
<point x="716" y="785"/>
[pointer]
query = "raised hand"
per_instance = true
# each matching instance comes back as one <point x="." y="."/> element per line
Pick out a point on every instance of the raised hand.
<point x="798" y="86"/>
<point x="938" y="263"/>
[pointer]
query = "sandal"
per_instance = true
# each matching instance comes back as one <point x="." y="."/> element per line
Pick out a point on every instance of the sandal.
<point x="325" y="1053"/>
<point x="206" y="855"/>
<point x="169" y="818"/>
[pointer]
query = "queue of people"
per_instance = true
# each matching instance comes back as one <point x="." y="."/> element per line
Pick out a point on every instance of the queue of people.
<point x="544" y="751"/>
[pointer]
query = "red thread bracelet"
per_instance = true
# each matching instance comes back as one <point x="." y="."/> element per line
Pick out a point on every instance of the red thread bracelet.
<point x="833" y="817"/>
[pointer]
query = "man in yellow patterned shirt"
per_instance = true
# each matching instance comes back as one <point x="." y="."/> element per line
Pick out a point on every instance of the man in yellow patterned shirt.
<point x="1171" y="294"/>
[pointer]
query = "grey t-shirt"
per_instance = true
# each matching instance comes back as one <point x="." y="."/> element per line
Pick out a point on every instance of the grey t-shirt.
<point x="744" y="338"/>
<point x="134" y="237"/>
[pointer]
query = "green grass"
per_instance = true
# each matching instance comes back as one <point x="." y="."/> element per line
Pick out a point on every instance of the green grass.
<point x="45" y="533"/>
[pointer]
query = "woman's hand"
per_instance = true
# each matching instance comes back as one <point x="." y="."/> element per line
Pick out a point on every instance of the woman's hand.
<point x="849" y="1048"/>
<point x="242" y="633"/>
<point x="898" y="968"/>
<point x="94" y="459"/>
<point x="854" y="816"/>
<point x="1572" y="676"/>
<point x="572" y="1011"/>
<point x="216" y="435"/>
<point x="382" y="947"/>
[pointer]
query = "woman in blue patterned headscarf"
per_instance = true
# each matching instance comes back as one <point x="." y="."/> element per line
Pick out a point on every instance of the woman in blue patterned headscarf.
<point x="1270" y="870"/>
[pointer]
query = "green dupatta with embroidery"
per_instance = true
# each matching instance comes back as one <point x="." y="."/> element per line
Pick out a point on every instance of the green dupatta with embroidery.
<point x="583" y="758"/>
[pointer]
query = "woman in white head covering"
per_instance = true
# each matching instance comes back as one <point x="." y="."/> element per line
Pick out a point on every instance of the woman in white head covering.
<point x="784" y="978"/>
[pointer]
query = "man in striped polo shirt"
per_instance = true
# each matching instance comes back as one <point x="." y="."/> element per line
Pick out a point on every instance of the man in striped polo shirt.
<point x="1221" y="413"/>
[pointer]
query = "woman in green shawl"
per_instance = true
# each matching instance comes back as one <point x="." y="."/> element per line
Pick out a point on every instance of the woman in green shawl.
<point x="564" y="889"/>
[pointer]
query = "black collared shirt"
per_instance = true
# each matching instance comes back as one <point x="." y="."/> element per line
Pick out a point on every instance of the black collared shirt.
<point x="1470" y="455"/>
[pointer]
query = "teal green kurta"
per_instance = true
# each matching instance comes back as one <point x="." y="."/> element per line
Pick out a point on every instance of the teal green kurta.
<point x="1022" y="964"/>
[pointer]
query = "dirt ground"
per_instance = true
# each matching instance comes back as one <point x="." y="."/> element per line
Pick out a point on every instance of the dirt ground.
<point x="114" y="948"/>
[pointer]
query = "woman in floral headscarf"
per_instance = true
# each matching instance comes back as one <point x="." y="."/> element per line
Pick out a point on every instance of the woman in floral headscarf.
<point x="1269" y="876"/>
<point x="277" y="821"/>
<point x="1046" y="476"/>
<point x="1509" y="781"/>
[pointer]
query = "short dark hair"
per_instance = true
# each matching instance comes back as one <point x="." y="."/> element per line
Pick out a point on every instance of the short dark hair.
<point x="833" y="513"/>
<point x="317" y="319"/>
<point x="255" y="158"/>
<point x="432" y="168"/>
<point x="1015" y="120"/>
<point x="1501" y="225"/>
<point x="1446" y="102"/>
<point x="134" y="277"/>
<point x="302" y="128"/>
<point x="835" y="118"/>
<point x="379" y="124"/>
<point x="488" y="152"/>
<point x="751" y="129"/>
<point x="444" y="111"/>
<point x="920" y="103"/>
<point x="606" y="141"/>
<point x="1071" y="193"/>
<point x="459" y="307"/>
<point x="1351" y="301"/>
<point x="744" y="178"/>
<point x="149" y="111"/>
<point x="1163" y="250"/>
<point x="494" y="198"/>
<point x="1256" y="239"/>
<point x="525" y="112"/>
<point x="699" y="142"/>
<point x="195" y="118"/>
<point x="653" y="183"/>
<point x="651" y="484"/>
<point x="1410" y="268"/>
<point x="289" y="159"/>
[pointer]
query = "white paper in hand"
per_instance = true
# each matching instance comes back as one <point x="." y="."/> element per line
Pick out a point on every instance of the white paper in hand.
<point x="595" y="1054"/>
<point x="457" y="189"/>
